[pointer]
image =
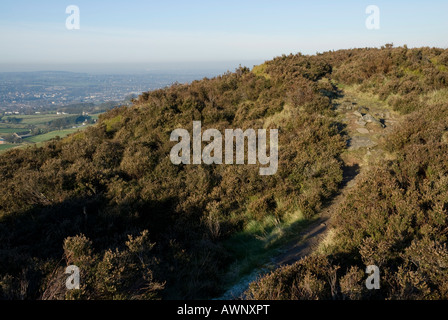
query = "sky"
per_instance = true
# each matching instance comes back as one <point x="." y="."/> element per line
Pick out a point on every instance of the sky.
<point x="172" y="33"/>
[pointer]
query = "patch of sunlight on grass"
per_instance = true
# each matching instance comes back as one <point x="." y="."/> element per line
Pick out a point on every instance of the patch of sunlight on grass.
<point x="436" y="96"/>
<point x="260" y="240"/>
<point x="260" y="70"/>
<point x="327" y="245"/>
<point x="364" y="98"/>
<point x="279" y="119"/>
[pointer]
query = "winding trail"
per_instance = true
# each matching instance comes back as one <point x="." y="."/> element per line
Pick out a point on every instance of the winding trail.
<point x="366" y="121"/>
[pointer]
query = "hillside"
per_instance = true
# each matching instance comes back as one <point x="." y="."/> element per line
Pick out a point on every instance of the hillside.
<point x="110" y="201"/>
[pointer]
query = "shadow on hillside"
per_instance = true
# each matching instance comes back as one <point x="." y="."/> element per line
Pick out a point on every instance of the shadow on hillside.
<point x="40" y="232"/>
<point x="349" y="173"/>
<point x="336" y="94"/>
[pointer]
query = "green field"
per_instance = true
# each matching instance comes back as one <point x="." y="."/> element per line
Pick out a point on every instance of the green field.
<point x="38" y="119"/>
<point x="52" y="135"/>
<point x="40" y="138"/>
<point x="4" y="147"/>
<point x="9" y="129"/>
<point x="35" y="121"/>
<point x="27" y="122"/>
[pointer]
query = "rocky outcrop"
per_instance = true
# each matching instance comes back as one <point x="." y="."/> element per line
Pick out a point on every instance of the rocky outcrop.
<point x="371" y="119"/>
<point x="357" y="142"/>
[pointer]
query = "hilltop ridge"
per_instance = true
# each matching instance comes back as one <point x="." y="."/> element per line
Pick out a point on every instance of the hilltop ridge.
<point x="108" y="199"/>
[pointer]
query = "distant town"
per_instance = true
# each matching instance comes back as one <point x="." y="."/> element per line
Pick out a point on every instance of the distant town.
<point x="34" y="92"/>
<point x="39" y="106"/>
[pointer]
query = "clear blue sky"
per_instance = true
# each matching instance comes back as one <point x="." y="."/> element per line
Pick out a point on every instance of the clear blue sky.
<point x="133" y="31"/>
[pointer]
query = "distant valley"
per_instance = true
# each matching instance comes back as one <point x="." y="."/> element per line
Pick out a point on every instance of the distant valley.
<point x="38" y="106"/>
<point x="48" y="90"/>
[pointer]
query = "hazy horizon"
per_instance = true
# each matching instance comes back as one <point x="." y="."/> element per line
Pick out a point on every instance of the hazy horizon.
<point x="125" y="37"/>
<point x="133" y="67"/>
